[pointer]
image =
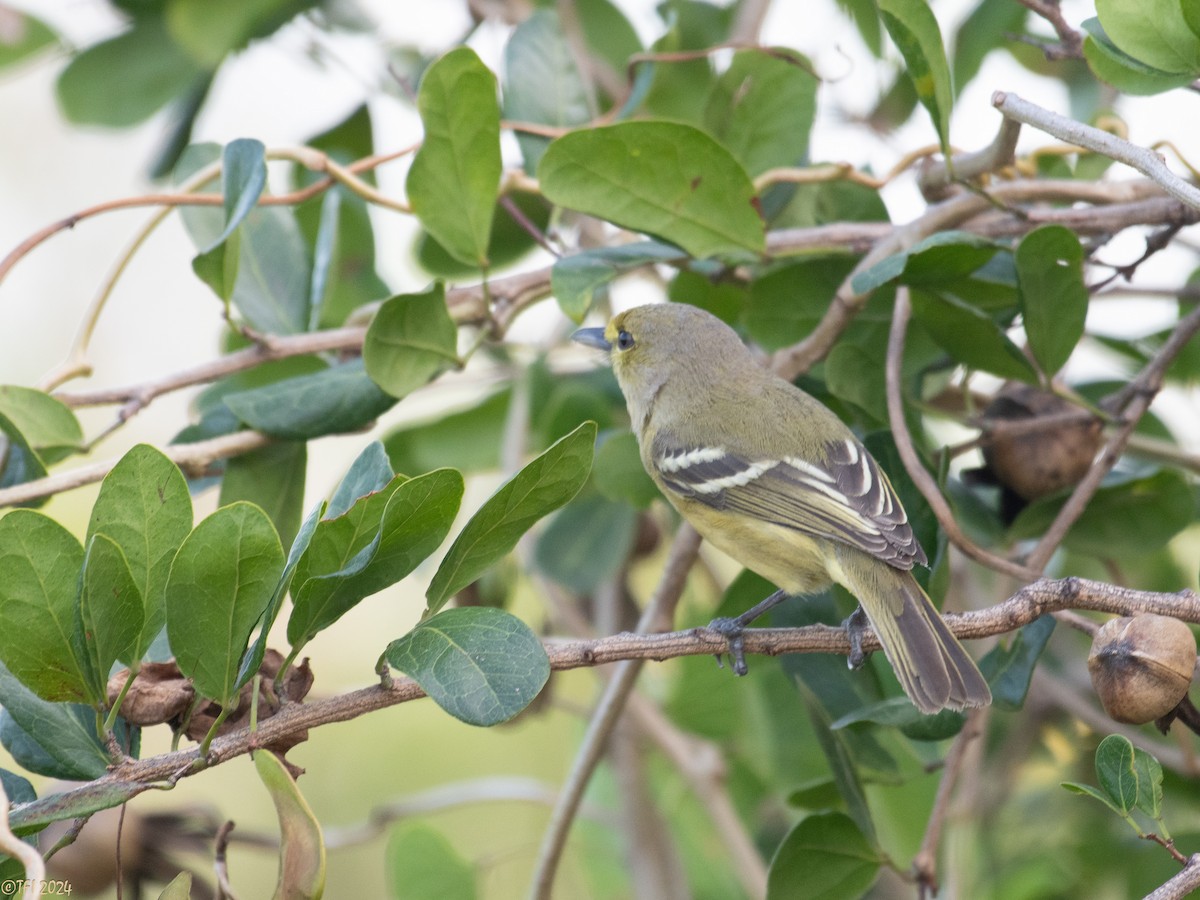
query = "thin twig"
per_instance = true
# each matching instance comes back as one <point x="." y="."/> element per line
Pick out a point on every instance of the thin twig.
<point x="657" y="616"/>
<point x="925" y="862"/>
<point x="912" y="463"/>
<point x="1148" y="162"/>
<point x="192" y="458"/>
<point x="1072" y="40"/>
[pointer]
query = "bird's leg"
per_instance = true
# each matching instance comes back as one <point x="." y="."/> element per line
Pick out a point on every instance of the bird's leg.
<point x="733" y="628"/>
<point x="854" y="625"/>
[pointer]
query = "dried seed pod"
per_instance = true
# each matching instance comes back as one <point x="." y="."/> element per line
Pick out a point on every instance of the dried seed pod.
<point x="1038" y="463"/>
<point x="1142" y="667"/>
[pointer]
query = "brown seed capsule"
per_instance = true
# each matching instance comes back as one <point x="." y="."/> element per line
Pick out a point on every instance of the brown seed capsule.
<point x="1142" y="667"/>
<point x="1037" y="463"/>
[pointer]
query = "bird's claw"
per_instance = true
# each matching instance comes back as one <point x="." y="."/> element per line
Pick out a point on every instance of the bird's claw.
<point x="854" y="625"/>
<point x="732" y="630"/>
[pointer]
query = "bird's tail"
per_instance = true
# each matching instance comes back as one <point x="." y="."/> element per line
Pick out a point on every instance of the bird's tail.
<point x="932" y="666"/>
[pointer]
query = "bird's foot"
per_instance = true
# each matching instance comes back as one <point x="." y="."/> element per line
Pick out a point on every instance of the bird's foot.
<point x="732" y="630"/>
<point x="854" y="625"/>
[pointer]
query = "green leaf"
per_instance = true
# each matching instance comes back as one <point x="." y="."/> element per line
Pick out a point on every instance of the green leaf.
<point x="1121" y="70"/>
<point x="545" y="484"/>
<point x="1054" y="299"/>
<point x="421" y="862"/>
<point x="542" y="84"/>
<point x="836" y="747"/>
<point x="301" y="841"/>
<point x="110" y="609"/>
<point x="415" y="521"/>
<point x="1149" y="774"/>
<point x="19" y="462"/>
<point x="265" y="269"/>
<point x="210" y="29"/>
<point x="411" y="340"/>
<point x="243" y="177"/>
<point x="1124" y="518"/>
<point x="986" y="29"/>
<point x="914" y="29"/>
<point x="221" y="581"/>
<point x="824" y="857"/>
<point x="370" y="473"/>
<point x="339" y="399"/>
<point x="253" y="658"/>
<point x="469" y="439"/>
<point x="49" y="738"/>
<point x="25" y="36"/>
<point x="144" y="506"/>
<point x="349" y="272"/>
<point x="46" y="423"/>
<point x="941" y="258"/>
<point x="126" y="79"/>
<point x="618" y="472"/>
<point x="180" y="887"/>
<point x="1116" y="772"/>
<point x="76" y="803"/>
<point x="762" y="108"/>
<point x="784" y="305"/>
<point x="1154" y="32"/>
<point x="1089" y="791"/>
<point x="575" y="279"/>
<point x="586" y="543"/>
<point x="666" y="179"/>
<point x="971" y="336"/>
<point x="1009" y="670"/>
<point x="481" y="665"/>
<point x="39" y="641"/>
<point x="273" y="478"/>
<point x="511" y="239"/>
<point x="455" y="177"/>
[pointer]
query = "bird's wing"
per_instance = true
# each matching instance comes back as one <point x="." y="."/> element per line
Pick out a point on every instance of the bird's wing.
<point x="845" y="498"/>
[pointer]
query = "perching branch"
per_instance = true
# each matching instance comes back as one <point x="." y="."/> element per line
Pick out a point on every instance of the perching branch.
<point x="1030" y="602"/>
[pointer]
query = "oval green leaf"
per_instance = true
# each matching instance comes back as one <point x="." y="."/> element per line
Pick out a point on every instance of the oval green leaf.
<point x="111" y="610"/>
<point x="145" y="508"/>
<point x="455" y="177"/>
<point x="1054" y="299"/>
<point x="39" y="642"/>
<point x="665" y="179"/>
<point x="481" y="665"/>
<point x="1154" y="32"/>
<point x="301" y="840"/>
<point x="824" y="857"/>
<point x="545" y="484"/>
<point x="915" y="30"/>
<point x="46" y="423"/>
<point x="339" y="399"/>
<point x="762" y="108"/>
<point x="415" y="521"/>
<point x="220" y="582"/>
<point x="411" y="340"/>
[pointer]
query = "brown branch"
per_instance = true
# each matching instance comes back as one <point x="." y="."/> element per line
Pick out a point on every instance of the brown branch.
<point x="192" y="458"/>
<point x="912" y="463"/>
<point x="1072" y="40"/>
<point x="1030" y="602"/>
<point x="657" y="617"/>
<point x="925" y="862"/>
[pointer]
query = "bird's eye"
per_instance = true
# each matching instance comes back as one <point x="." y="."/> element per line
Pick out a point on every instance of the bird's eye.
<point x="625" y="340"/>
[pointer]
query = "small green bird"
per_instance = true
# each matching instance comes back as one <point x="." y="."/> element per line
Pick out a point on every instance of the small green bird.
<point x="774" y="479"/>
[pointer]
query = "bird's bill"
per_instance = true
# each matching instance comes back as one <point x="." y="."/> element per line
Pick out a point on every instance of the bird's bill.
<point x="592" y="337"/>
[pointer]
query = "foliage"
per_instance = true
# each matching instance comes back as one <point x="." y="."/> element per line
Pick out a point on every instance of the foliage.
<point x="578" y="162"/>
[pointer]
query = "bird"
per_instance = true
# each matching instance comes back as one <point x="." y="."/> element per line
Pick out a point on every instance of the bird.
<point x="771" y="476"/>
